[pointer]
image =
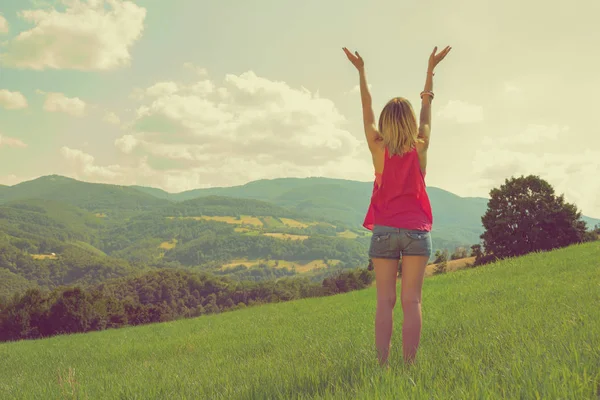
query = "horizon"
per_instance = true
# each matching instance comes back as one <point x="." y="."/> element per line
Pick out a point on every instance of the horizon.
<point x="140" y="104"/>
<point x="218" y="187"/>
<point x="594" y="217"/>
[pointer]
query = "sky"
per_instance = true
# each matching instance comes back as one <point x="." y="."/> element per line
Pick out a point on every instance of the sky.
<point x="186" y="94"/>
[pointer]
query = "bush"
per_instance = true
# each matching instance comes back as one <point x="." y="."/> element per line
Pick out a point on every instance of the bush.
<point x="441" y="268"/>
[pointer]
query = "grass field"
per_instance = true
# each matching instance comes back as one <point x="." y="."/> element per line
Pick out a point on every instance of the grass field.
<point x="285" y="236"/>
<point x="44" y="257"/>
<point x="168" y="245"/>
<point x="301" y="266"/>
<point x="348" y="234"/>
<point x="244" y="219"/>
<point x="525" y="328"/>
<point x="452" y="265"/>
<point x="293" y="223"/>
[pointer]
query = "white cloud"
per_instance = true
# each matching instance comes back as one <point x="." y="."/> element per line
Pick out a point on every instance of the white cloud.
<point x="202" y="87"/>
<point x="245" y="128"/>
<point x="573" y="173"/>
<point x="6" y="141"/>
<point x="84" y="164"/>
<point x="257" y="117"/>
<point x="194" y="68"/>
<point x="356" y="89"/>
<point x="112" y="118"/>
<point x="58" y="102"/>
<point x="461" y="112"/>
<point x="162" y="89"/>
<point x="3" y="25"/>
<point x="126" y="143"/>
<point x="88" y="35"/>
<point x="12" y="100"/>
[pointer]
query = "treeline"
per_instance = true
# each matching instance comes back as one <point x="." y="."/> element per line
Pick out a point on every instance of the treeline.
<point x="74" y="265"/>
<point x="158" y="296"/>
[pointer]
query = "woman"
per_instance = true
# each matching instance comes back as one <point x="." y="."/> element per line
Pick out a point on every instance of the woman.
<point x="400" y="214"/>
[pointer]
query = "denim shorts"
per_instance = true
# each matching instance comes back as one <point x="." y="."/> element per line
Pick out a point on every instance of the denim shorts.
<point x="393" y="243"/>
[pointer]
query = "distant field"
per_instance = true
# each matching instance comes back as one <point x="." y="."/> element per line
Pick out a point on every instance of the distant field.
<point x="452" y="265"/>
<point x="168" y="245"/>
<point x="271" y="222"/>
<point x="347" y="235"/>
<point x="301" y="266"/>
<point x="247" y="220"/>
<point x="44" y="257"/>
<point x="525" y="328"/>
<point x="267" y="222"/>
<point x="293" y="223"/>
<point x="310" y="265"/>
<point x="286" y="236"/>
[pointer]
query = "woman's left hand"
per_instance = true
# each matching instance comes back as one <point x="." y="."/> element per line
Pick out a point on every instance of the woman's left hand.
<point x="355" y="59"/>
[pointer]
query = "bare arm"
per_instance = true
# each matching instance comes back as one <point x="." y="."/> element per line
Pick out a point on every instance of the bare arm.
<point x="425" y="118"/>
<point x="427" y="97"/>
<point x="371" y="132"/>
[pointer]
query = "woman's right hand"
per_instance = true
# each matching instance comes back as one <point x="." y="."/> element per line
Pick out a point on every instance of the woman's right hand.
<point x="355" y="59"/>
<point x="434" y="59"/>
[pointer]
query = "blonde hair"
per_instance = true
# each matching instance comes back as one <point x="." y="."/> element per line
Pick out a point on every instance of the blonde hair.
<point x="398" y="126"/>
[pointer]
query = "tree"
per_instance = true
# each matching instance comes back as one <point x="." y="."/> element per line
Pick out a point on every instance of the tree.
<point x="441" y="256"/>
<point x="459" y="252"/>
<point x="525" y="215"/>
<point x="476" y="251"/>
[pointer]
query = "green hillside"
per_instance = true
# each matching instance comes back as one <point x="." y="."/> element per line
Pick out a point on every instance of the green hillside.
<point x="309" y="226"/>
<point x="513" y="329"/>
<point x="13" y="283"/>
<point x="347" y="201"/>
<point x="49" y="243"/>
<point x="457" y="220"/>
<point x="112" y="200"/>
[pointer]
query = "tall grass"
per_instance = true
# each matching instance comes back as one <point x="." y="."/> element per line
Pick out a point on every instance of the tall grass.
<point x="521" y="328"/>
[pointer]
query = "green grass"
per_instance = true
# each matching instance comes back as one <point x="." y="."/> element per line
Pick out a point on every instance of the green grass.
<point x="522" y="328"/>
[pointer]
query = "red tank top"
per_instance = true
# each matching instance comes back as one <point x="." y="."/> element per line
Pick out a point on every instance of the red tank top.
<point x="399" y="198"/>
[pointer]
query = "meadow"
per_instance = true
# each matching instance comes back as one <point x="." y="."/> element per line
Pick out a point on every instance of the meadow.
<point x="527" y="327"/>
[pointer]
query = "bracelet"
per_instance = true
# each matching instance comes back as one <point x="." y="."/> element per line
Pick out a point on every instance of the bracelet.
<point x="428" y="93"/>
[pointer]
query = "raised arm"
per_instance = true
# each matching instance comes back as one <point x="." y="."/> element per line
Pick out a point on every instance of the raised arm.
<point x="371" y="132"/>
<point x="427" y="97"/>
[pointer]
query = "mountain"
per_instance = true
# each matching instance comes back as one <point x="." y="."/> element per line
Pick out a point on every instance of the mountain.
<point x="457" y="219"/>
<point x="296" y="226"/>
<point x="112" y="200"/>
<point x="347" y="201"/>
<point x="591" y="222"/>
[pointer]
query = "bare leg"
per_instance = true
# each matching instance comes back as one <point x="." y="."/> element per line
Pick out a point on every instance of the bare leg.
<point x="386" y="271"/>
<point x="413" y="273"/>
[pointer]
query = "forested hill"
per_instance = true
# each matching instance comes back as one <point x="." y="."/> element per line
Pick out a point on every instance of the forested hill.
<point x="283" y="227"/>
